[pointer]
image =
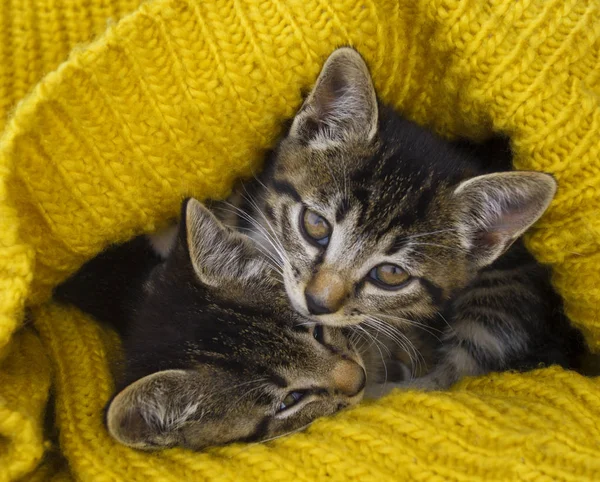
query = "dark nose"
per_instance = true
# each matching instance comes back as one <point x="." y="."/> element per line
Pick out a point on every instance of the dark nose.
<point x="314" y="305"/>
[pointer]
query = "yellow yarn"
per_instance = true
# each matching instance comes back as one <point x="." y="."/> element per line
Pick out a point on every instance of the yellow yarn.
<point x="183" y="96"/>
<point x="37" y="36"/>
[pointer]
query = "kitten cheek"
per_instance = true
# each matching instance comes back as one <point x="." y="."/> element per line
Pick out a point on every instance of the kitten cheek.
<point x="295" y="293"/>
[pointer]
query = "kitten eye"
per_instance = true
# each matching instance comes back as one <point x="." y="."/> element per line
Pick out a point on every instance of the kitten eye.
<point x="315" y="228"/>
<point x="319" y="334"/>
<point x="388" y="276"/>
<point x="290" y="400"/>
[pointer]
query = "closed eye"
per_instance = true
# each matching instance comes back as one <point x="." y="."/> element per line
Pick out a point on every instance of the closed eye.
<point x="291" y="399"/>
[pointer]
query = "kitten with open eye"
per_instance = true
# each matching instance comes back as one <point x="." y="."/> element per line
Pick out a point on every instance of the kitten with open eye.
<point x="380" y="223"/>
<point x="214" y="353"/>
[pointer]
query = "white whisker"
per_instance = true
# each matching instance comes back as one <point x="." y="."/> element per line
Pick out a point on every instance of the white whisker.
<point x="418" y="324"/>
<point x="417" y="359"/>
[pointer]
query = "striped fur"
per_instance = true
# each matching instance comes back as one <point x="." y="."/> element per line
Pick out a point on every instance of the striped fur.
<point x="212" y="347"/>
<point x="394" y="193"/>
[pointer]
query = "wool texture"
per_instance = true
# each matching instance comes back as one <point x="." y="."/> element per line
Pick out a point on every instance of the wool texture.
<point x="37" y="35"/>
<point x="182" y="97"/>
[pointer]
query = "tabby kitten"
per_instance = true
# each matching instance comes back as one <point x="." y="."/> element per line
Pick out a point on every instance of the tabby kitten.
<point x="214" y="354"/>
<point x="379" y="223"/>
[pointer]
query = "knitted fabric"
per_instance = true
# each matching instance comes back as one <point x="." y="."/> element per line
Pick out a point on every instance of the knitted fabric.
<point x="37" y="35"/>
<point x="183" y="96"/>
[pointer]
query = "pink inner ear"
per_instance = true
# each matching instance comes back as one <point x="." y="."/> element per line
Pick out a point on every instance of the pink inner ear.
<point x="503" y="230"/>
<point x="489" y="239"/>
<point x="327" y="97"/>
<point x="510" y="223"/>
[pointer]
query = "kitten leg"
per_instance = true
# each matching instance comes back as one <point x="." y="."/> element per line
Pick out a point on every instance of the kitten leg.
<point x="456" y="365"/>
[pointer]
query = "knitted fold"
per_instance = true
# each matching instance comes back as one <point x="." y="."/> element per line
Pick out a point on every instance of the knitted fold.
<point x="182" y="97"/>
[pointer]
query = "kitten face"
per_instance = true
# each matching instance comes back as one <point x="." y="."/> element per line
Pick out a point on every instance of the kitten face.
<point x="229" y="359"/>
<point x="379" y="220"/>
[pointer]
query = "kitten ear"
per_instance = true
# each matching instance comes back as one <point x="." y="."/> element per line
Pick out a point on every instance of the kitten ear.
<point x="498" y="208"/>
<point x="148" y="413"/>
<point x="342" y="107"/>
<point x="220" y="256"/>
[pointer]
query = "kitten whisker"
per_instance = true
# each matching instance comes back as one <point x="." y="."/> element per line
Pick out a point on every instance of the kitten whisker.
<point x="275" y="244"/>
<point x="274" y="261"/>
<point x="395" y="335"/>
<point x="377" y="342"/>
<point x="450" y="327"/>
<point x="273" y="233"/>
<point x="357" y="337"/>
<point x="417" y="324"/>
<point x="420" y="253"/>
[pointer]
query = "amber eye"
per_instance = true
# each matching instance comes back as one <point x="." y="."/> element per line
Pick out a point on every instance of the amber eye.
<point x="388" y="276"/>
<point x="315" y="228"/>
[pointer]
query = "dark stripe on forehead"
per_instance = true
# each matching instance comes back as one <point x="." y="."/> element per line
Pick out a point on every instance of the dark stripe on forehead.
<point x="284" y="220"/>
<point x="399" y="242"/>
<point x="369" y="169"/>
<point x="424" y="201"/>
<point x="415" y="210"/>
<point x="362" y="197"/>
<point x="284" y="187"/>
<point x="342" y="209"/>
<point x="436" y="292"/>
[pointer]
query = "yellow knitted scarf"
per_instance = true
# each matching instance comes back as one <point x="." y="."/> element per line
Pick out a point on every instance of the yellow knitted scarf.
<point x="183" y="96"/>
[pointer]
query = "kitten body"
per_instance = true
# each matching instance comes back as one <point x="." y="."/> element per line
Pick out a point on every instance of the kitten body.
<point x="379" y="223"/>
<point x="214" y="354"/>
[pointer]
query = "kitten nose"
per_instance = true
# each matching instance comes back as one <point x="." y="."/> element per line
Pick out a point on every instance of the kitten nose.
<point x="325" y="293"/>
<point x="314" y="305"/>
<point x="349" y="378"/>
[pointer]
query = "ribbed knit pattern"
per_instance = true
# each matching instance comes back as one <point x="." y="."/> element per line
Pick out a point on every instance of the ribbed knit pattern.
<point x="36" y="35"/>
<point x="180" y="98"/>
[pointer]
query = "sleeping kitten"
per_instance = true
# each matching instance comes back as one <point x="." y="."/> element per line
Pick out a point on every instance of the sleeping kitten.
<point x="379" y="223"/>
<point x="214" y="354"/>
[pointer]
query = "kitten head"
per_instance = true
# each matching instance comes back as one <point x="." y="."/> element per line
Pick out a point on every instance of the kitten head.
<point x="216" y="355"/>
<point x="379" y="219"/>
